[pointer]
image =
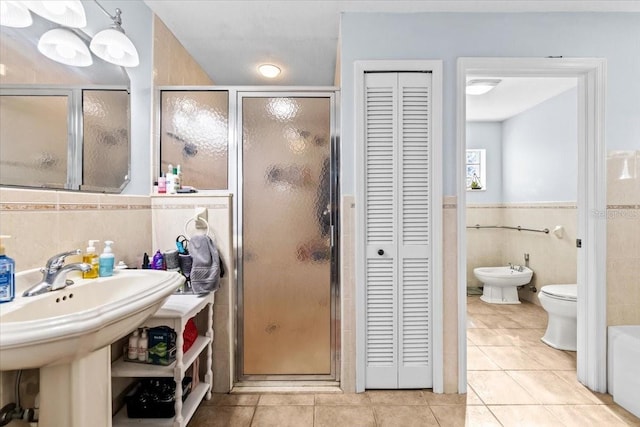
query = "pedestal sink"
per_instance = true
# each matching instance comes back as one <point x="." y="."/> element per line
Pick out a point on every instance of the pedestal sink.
<point x="67" y="334"/>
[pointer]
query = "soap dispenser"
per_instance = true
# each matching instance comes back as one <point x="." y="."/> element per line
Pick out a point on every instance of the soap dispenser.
<point x="143" y="344"/>
<point x="7" y="275"/>
<point x="91" y="257"/>
<point x="107" y="260"/>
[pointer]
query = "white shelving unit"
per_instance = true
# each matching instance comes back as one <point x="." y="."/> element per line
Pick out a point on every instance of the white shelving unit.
<point x="174" y="313"/>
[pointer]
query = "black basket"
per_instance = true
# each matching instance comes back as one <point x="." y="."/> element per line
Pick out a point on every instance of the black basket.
<point x="155" y="398"/>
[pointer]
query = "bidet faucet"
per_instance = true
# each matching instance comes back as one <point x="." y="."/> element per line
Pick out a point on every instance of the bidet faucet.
<point x="54" y="273"/>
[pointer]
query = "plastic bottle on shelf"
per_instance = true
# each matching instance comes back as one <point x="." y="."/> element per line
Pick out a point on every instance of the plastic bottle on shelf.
<point x="91" y="257"/>
<point x="107" y="260"/>
<point x="143" y="344"/>
<point x="7" y="275"/>
<point x="132" y="350"/>
<point x="162" y="184"/>
<point x="171" y="180"/>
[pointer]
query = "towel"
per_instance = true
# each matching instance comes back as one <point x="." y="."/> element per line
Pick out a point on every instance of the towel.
<point x="205" y="268"/>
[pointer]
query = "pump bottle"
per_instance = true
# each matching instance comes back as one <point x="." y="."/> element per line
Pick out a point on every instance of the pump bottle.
<point x="91" y="258"/>
<point x="132" y="350"/>
<point x="107" y="260"/>
<point x="7" y="275"/>
<point x="143" y="344"/>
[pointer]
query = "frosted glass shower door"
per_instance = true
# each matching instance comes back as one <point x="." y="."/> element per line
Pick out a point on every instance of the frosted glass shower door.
<point x="286" y="268"/>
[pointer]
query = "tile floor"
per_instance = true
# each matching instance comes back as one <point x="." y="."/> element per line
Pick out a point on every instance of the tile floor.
<point x="514" y="380"/>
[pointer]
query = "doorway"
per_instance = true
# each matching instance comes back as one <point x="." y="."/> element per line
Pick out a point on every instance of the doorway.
<point x="287" y="226"/>
<point x="591" y="259"/>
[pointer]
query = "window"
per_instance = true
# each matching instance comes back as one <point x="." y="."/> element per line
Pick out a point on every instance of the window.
<point x="476" y="170"/>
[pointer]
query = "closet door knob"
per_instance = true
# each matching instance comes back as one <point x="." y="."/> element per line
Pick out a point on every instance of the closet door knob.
<point x="380" y="252"/>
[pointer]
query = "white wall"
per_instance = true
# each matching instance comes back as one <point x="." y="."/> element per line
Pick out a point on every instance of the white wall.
<point x="448" y="36"/>
<point x="137" y="20"/>
<point x="487" y="135"/>
<point x="540" y="152"/>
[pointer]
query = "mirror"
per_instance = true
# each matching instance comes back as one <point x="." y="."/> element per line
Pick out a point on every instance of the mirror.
<point x="61" y="127"/>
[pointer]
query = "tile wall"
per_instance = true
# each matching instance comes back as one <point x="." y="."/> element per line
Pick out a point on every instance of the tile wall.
<point x="623" y="237"/>
<point x="553" y="259"/>
<point x="172" y="64"/>
<point x="44" y="223"/>
<point x="171" y="217"/>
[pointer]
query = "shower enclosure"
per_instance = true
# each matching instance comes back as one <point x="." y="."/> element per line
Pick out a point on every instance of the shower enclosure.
<point x="275" y="150"/>
<point x="287" y="314"/>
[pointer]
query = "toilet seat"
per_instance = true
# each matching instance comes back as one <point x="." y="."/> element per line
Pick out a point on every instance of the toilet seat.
<point x="561" y="292"/>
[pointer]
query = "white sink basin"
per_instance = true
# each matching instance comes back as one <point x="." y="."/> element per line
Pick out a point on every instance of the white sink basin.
<point x="64" y="325"/>
<point x="503" y="276"/>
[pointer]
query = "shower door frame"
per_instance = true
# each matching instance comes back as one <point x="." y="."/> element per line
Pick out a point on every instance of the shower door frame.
<point x="235" y="108"/>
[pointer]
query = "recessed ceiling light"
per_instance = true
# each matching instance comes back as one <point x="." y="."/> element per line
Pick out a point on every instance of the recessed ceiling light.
<point x="480" y="87"/>
<point x="269" y="70"/>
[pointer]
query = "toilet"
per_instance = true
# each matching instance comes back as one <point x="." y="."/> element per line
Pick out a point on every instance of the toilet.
<point x="560" y="302"/>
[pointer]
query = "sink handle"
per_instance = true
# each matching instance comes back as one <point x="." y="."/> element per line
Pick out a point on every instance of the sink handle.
<point x="56" y="261"/>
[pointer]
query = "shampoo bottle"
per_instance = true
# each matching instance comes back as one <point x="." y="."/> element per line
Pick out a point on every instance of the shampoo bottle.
<point x="107" y="260"/>
<point x="91" y="258"/>
<point x="132" y="350"/>
<point x="171" y="183"/>
<point x="158" y="261"/>
<point x="7" y="275"/>
<point x="143" y="344"/>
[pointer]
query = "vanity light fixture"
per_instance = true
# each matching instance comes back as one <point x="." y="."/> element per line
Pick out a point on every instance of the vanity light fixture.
<point x="481" y="86"/>
<point x="269" y="70"/>
<point x="113" y="45"/>
<point x="69" y="13"/>
<point x="14" y="14"/>
<point x="64" y="46"/>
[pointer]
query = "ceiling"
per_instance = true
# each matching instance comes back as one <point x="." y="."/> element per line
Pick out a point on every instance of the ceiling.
<point x="229" y="39"/>
<point x="513" y="95"/>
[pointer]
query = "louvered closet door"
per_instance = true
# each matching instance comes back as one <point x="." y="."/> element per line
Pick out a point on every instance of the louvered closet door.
<point x="397" y="215"/>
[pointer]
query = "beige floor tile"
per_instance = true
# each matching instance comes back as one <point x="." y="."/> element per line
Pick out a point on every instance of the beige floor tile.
<point x="472" y="397"/>
<point x="404" y="416"/>
<point x="497" y="321"/>
<point x="548" y="388"/>
<point x="586" y="415"/>
<point x="286" y="399"/>
<point x="334" y="399"/>
<point x="478" y="361"/>
<point x="509" y="358"/>
<point x="482" y="337"/>
<point x="498" y="388"/>
<point x="399" y="397"/>
<point x="473" y="322"/>
<point x="571" y="378"/>
<point x="222" y="416"/>
<point x="522" y="337"/>
<point x="479" y="307"/>
<point x="532" y="320"/>
<point x="524" y="416"/>
<point x="450" y="416"/>
<point x="344" y="416"/>
<point x="460" y="416"/>
<point x="481" y="416"/>
<point x="283" y="416"/>
<point x="439" y="399"/>
<point x="552" y="359"/>
<point x="220" y="399"/>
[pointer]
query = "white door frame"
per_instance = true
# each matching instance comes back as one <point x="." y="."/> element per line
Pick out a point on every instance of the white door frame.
<point x="591" y="201"/>
<point x="435" y="67"/>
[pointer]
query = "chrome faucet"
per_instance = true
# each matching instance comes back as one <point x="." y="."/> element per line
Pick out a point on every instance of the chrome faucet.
<point x="54" y="273"/>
